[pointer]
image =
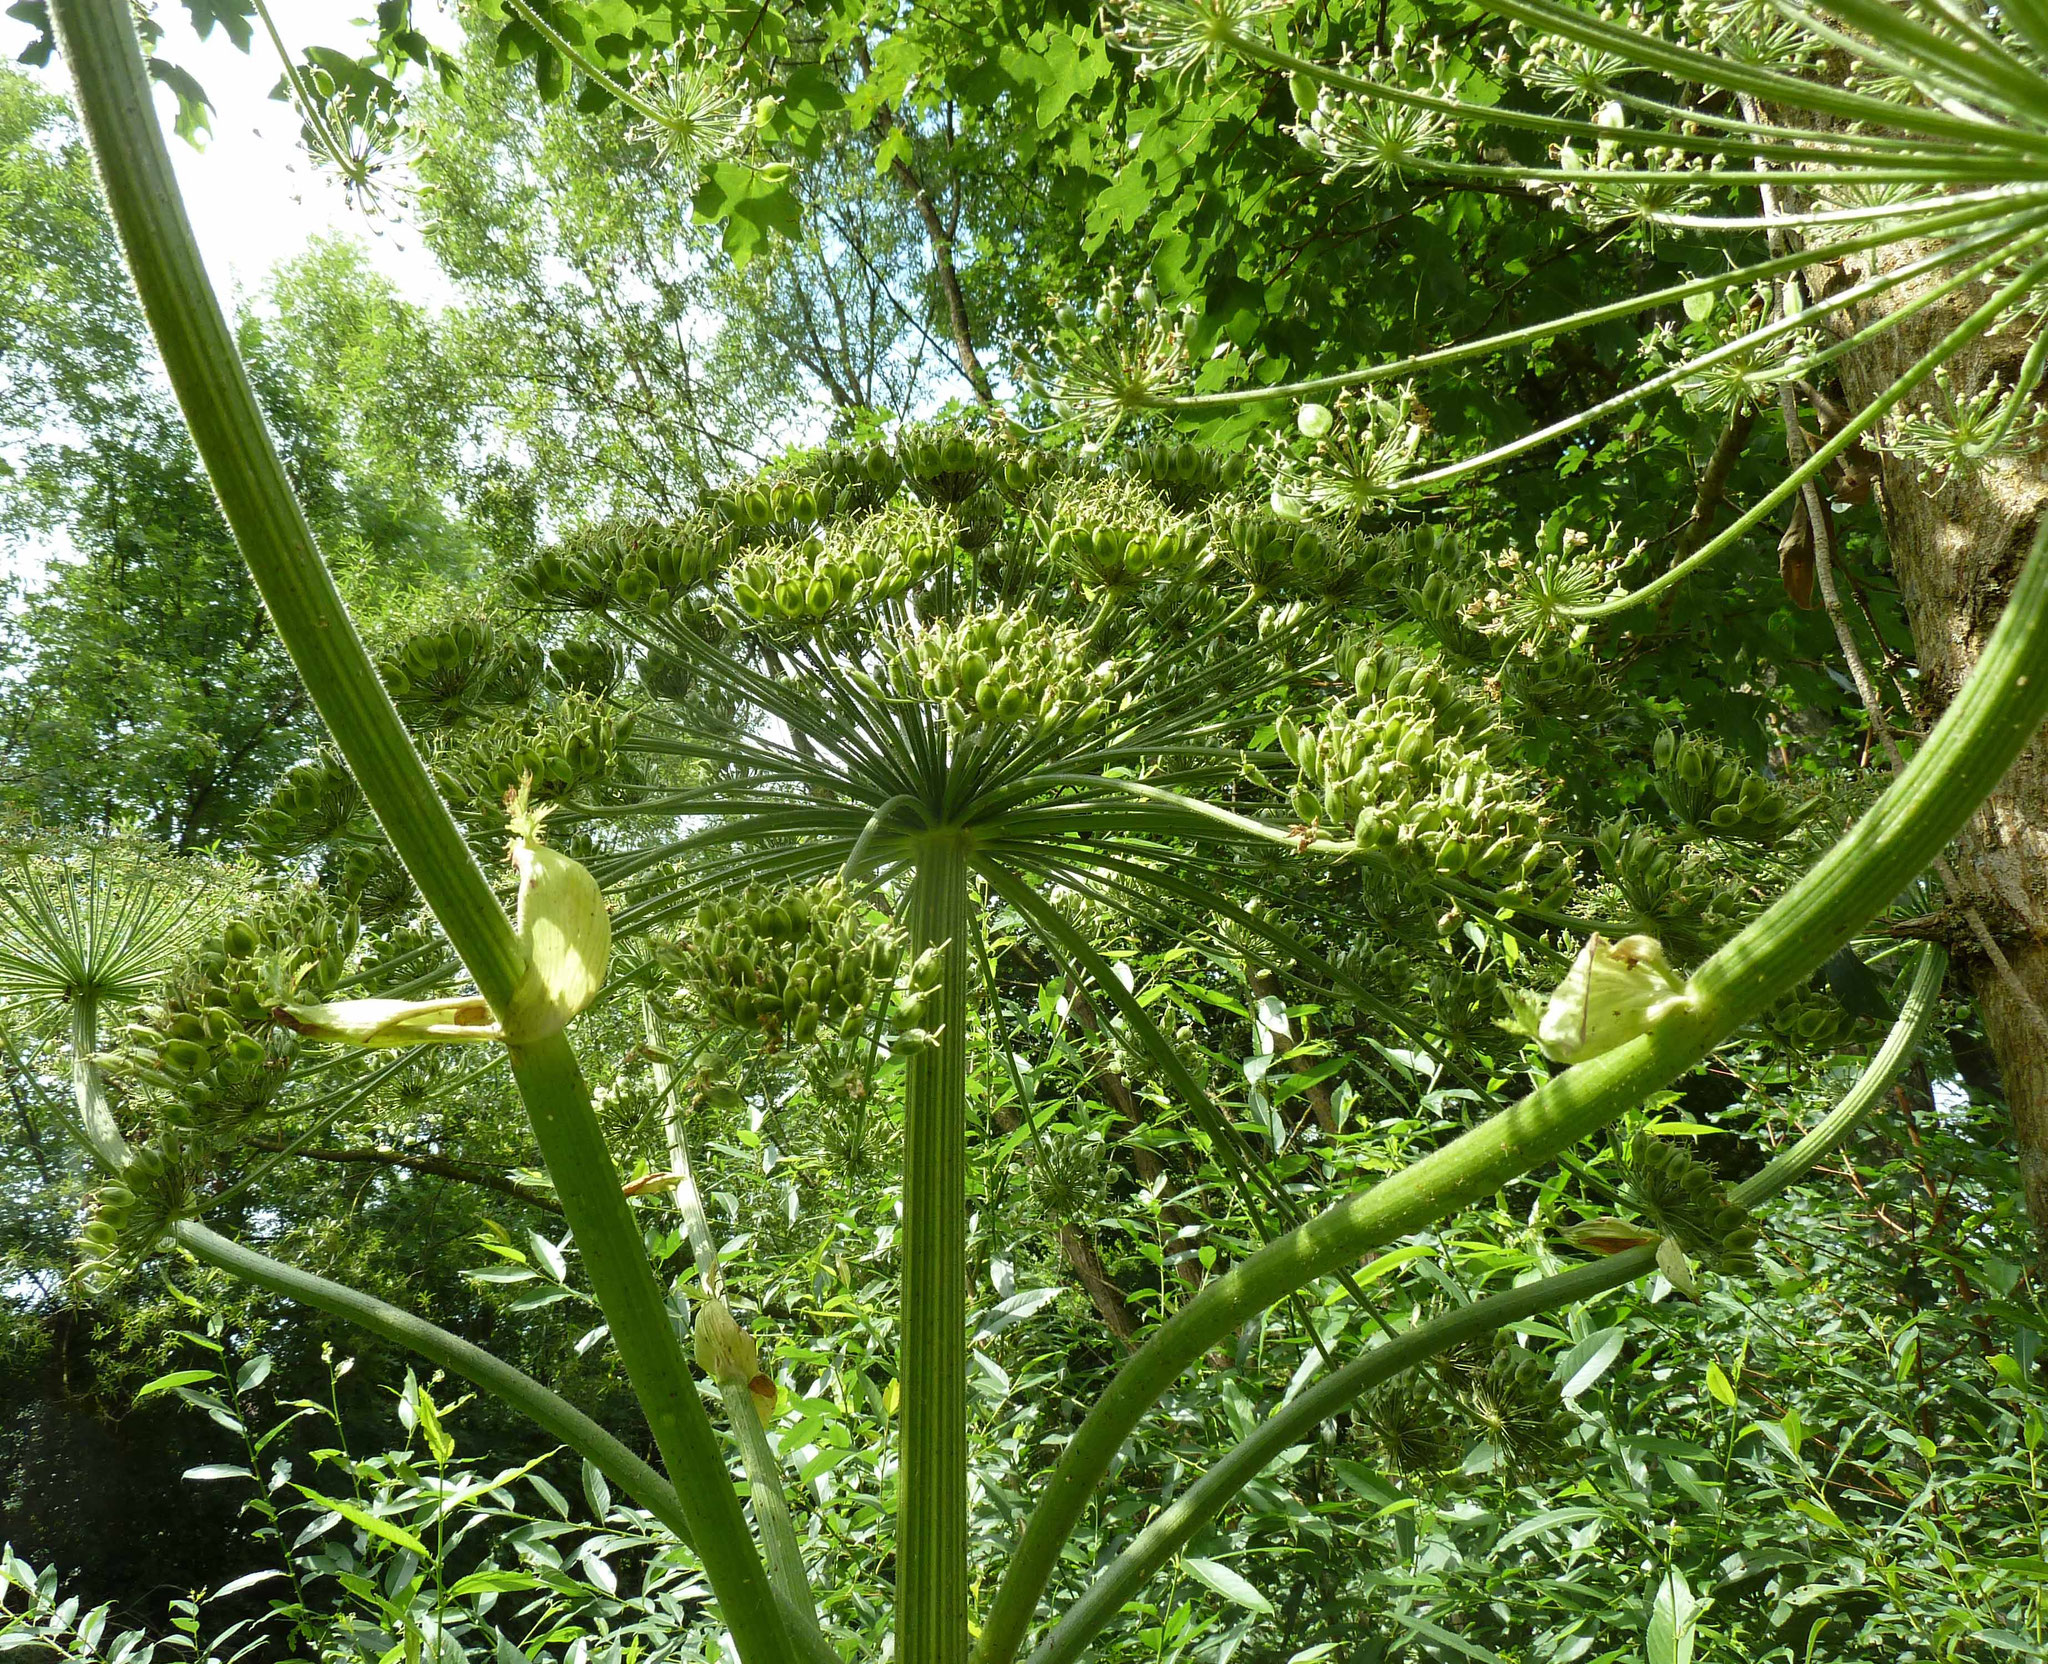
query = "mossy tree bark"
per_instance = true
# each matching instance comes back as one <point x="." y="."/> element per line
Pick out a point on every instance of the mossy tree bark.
<point x="1957" y="546"/>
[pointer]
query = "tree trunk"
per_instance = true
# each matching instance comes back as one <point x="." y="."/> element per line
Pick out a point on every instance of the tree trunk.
<point x="1957" y="545"/>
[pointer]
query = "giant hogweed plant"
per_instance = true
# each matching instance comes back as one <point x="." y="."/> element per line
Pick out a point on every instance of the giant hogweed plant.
<point x="975" y="687"/>
<point x="1860" y="165"/>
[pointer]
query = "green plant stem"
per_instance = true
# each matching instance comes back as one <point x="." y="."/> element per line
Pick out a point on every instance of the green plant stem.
<point x="779" y="1544"/>
<point x="95" y="1115"/>
<point x="931" y="1522"/>
<point x="1549" y="329"/>
<point x="206" y="373"/>
<point x="553" y="1414"/>
<point x="1169" y="1530"/>
<point x="1989" y="724"/>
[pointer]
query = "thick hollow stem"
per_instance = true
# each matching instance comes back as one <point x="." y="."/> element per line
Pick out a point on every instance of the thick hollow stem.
<point x="1989" y="724"/>
<point x="931" y="1520"/>
<point x="212" y="387"/>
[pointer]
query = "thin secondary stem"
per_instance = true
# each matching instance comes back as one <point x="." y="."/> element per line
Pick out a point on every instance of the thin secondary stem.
<point x="772" y="1517"/>
<point x="1169" y="1530"/>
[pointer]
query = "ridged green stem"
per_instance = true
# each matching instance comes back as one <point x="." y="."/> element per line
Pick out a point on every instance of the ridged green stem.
<point x="1168" y="1531"/>
<point x="206" y="373"/>
<point x="931" y="1487"/>
<point x="1988" y="726"/>
<point x="95" y="1115"/>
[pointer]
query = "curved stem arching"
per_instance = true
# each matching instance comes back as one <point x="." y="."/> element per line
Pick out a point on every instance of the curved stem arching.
<point x="1978" y="738"/>
<point x="1168" y="1531"/>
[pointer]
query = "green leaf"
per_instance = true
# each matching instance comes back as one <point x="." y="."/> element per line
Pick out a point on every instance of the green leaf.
<point x="367" y="1521"/>
<point x="1226" y="1583"/>
<point x="1668" y="1640"/>
<point x="1586" y="1362"/>
<point x="177" y="1378"/>
<point x="495" y="1583"/>
<point x="1444" y="1638"/>
<point x="1720" y="1386"/>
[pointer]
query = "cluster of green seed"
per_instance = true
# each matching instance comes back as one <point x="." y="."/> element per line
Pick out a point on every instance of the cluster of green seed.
<point x="1412" y="775"/>
<point x="156" y="1188"/>
<point x="1421" y="1425"/>
<point x="210" y="1044"/>
<point x="649" y="564"/>
<point x="594" y="665"/>
<point x="949" y="461"/>
<point x="764" y="502"/>
<point x="788" y="964"/>
<point x="375" y="881"/>
<point x="1676" y="892"/>
<point x="1515" y="1406"/>
<point x="1068" y="1182"/>
<point x="1013" y="670"/>
<point x="1681" y="1197"/>
<point x="1185" y="475"/>
<point x="572" y="745"/>
<point x="1113" y="557"/>
<point x="1276" y="555"/>
<point x="917" y="992"/>
<point x="1807" y="1019"/>
<point x="311" y="802"/>
<point x="1410" y="1426"/>
<point x="874" y="559"/>
<point x="458" y="664"/>
<point x="1710" y="791"/>
<point x="1020" y="476"/>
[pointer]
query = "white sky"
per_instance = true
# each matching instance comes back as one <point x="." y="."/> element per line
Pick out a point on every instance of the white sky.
<point x="253" y="195"/>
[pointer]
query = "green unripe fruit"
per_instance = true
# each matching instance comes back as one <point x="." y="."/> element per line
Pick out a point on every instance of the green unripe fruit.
<point x="186" y="1057"/>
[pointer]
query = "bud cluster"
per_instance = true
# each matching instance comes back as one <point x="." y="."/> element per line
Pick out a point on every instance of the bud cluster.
<point x="1013" y="670"/>
<point x="1683" y="1200"/>
<point x="130" y="1214"/>
<point x="1413" y="774"/>
<point x="1711" y="791"/>
<point x="874" y="559"/>
<point x="788" y="964"/>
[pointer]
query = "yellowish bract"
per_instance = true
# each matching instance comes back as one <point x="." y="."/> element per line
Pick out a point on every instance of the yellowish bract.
<point x="1613" y="992"/>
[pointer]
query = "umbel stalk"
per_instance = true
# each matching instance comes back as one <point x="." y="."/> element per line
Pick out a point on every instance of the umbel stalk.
<point x="206" y="373"/>
<point x="931" y="1525"/>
